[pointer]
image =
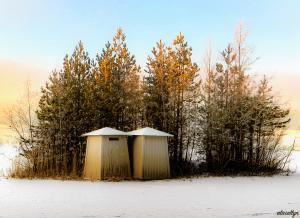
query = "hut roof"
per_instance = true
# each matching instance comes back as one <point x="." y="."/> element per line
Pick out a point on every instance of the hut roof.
<point x="106" y="131"/>
<point x="147" y="131"/>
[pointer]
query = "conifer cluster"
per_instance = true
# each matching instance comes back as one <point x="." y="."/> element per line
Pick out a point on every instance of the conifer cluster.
<point x="220" y="116"/>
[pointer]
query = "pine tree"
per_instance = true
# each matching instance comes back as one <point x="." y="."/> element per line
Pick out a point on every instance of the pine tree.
<point x="156" y="89"/>
<point x="116" y="76"/>
<point x="181" y="81"/>
<point x="269" y="120"/>
<point x="170" y="98"/>
<point x="63" y="116"/>
<point x="241" y="126"/>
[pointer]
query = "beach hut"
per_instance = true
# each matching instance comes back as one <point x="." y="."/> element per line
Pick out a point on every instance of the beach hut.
<point x="106" y="155"/>
<point x="149" y="154"/>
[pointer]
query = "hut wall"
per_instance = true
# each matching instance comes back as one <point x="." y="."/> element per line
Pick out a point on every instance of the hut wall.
<point x="156" y="158"/>
<point x="138" y="157"/>
<point x="115" y="159"/>
<point x="92" y="158"/>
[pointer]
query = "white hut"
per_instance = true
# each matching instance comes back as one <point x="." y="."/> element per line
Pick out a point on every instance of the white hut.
<point x="150" y="156"/>
<point x="106" y="154"/>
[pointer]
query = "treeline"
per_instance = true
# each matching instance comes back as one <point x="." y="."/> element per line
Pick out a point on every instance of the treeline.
<point x="221" y="118"/>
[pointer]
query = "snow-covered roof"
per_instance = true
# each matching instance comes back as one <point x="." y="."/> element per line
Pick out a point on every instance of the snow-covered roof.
<point x="105" y="131"/>
<point x="147" y="131"/>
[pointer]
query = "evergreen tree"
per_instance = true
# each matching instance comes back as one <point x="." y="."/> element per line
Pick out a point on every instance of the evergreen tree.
<point x="170" y="86"/>
<point x="116" y="76"/>
<point x="182" y="82"/>
<point x="63" y="115"/>
<point x="237" y="119"/>
<point x="156" y="89"/>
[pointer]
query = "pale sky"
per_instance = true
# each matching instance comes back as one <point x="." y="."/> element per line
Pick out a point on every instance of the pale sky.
<point x="35" y="36"/>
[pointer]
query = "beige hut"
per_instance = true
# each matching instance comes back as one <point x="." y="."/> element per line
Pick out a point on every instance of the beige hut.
<point x="106" y="155"/>
<point x="150" y="156"/>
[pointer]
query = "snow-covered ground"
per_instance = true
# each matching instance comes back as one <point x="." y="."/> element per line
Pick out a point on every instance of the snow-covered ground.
<point x="7" y="155"/>
<point x="199" y="197"/>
